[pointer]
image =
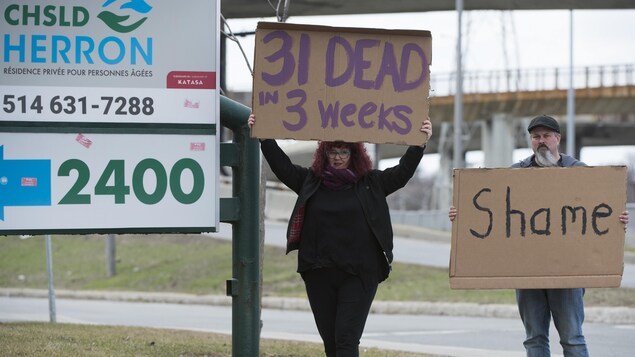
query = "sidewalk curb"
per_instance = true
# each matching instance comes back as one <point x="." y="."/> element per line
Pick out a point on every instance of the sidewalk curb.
<point x="609" y="315"/>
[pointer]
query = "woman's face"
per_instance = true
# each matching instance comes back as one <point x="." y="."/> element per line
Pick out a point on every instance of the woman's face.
<point x="339" y="157"/>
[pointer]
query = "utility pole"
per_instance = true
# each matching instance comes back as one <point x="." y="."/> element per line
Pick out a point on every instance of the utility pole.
<point x="458" y="96"/>
<point x="571" y="95"/>
<point x="111" y="256"/>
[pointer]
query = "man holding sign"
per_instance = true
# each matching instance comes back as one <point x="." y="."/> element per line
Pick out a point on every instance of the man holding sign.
<point x="537" y="306"/>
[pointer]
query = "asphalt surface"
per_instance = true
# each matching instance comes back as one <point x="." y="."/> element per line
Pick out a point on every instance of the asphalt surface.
<point x="456" y="336"/>
<point x="470" y="329"/>
<point x="432" y="251"/>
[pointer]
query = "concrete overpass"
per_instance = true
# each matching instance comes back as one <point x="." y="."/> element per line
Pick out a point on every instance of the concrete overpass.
<point x="493" y="102"/>
<point x="604" y="110"/>
<point x="506" y="100"/>
<point x="494" y="119"/>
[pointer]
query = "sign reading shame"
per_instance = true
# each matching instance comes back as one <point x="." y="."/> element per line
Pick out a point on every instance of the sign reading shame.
<point x="538" y="227"/>
<point x="333" y="83"/>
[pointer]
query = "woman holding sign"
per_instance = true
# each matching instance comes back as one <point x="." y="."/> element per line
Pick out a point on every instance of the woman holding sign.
<point x="341" y="227"/>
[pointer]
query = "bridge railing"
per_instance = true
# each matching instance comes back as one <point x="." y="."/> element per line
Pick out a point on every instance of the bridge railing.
<point x="533" y="79"/>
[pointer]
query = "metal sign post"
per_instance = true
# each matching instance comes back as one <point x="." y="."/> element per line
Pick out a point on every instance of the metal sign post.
<point x="242" y="211"/>
<point x="49" y="269"/>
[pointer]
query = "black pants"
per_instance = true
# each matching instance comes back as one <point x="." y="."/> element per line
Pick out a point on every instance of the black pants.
<point x="340" y="305"/>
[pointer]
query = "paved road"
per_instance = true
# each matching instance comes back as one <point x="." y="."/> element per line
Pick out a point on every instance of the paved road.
<point x="406" y="250"/>
<point x="458" y="336"/>
<point x="442" y="335"/>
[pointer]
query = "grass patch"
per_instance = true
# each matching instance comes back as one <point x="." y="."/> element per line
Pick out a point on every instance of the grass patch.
<point x="198" y="264"/>
<point x="62" y="340"/>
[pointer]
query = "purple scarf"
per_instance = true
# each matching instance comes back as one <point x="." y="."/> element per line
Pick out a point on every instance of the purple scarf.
<point x="338" y="179"/>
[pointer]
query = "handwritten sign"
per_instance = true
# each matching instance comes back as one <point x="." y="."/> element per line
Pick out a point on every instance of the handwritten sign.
<point x="332" y="83"/>
<point x="538" y="227"/>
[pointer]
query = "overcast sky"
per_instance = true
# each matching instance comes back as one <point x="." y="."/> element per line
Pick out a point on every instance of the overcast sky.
<point x="492" y="40"/>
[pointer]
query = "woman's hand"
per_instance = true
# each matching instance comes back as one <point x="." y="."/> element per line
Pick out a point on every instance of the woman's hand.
<point x="251" y="121"/>
<point x="426" y="127"/>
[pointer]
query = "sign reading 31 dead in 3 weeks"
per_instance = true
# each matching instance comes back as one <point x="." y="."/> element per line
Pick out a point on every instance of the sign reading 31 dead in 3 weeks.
<point x="333" y="83"/>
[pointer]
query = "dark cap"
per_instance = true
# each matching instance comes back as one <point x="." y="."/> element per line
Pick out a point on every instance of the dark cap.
<point x="546" y="121"/>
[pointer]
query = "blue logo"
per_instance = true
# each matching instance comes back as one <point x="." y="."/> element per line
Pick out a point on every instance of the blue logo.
<point x="124" y="23"/>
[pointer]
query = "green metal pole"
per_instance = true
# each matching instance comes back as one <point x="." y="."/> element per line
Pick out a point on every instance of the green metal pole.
<point x="244" y="287"/>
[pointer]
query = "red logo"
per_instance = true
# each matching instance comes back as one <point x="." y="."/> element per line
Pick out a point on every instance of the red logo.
<point x="197" y="146"/>
<point x="189" y="104"/>
<point x="86" y="142"/>
<point x="29" y="181"/>
<point x="191" y="80"/>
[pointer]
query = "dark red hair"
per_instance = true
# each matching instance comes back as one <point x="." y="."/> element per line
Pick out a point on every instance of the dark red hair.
<point x="360" y="162"/>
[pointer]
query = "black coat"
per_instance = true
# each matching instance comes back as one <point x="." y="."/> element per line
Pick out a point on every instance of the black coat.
<point x="371" y="190"/>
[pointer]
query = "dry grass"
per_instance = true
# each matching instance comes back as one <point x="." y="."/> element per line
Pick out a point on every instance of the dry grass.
<point x="63" y="340"/>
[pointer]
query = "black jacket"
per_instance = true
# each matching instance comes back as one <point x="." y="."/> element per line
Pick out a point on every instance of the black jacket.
<point x="371" y="189"/>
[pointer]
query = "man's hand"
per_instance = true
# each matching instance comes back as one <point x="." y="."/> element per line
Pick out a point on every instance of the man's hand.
<point x="452" y="213"/>
<point x="624" y="219"/>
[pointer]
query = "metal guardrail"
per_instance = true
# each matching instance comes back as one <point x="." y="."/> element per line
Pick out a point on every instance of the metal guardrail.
<point x="433" y="219"/>
<point x="537" y="79"/>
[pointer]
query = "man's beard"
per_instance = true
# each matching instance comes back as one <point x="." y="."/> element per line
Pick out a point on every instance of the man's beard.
<point x="545" y="158"/>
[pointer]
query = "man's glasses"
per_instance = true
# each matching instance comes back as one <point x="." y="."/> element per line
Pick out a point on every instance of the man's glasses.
<point x="343" y="154"/>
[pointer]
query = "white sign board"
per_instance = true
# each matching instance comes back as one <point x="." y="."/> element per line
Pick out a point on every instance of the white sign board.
<point x="102" y="182"/>
<point x="108" y="116"/>
<point x="109" y="61"/>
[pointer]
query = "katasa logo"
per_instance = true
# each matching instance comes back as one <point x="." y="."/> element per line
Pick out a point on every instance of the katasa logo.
<point x="121" y="23"/>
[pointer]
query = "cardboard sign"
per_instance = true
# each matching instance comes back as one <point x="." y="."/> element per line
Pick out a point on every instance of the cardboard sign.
<point x="332" y="83"/>
<point x="538" y="228"/>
